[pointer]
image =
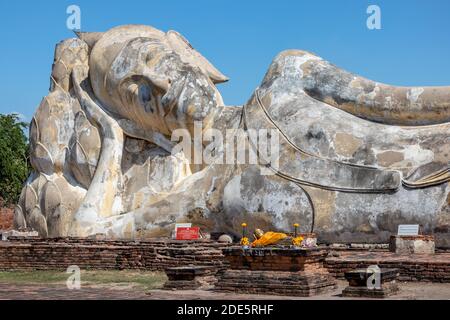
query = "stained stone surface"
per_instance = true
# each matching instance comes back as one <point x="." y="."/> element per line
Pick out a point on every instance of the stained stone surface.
<point x="412" y="244"/>
<point x="357" y="157"/>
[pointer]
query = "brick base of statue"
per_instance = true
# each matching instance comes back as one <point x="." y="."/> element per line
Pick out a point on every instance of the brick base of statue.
<point x="359" y="288"/>
<point x="276" y="271"/>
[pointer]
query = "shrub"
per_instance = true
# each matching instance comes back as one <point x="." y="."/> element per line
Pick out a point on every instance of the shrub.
<point x="14" y="165"/>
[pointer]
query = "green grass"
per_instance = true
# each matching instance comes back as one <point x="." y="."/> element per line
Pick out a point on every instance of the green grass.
<point x="147" y="280"/>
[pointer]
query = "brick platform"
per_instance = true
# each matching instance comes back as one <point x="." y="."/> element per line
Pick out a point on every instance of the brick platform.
<point x="58" y="254"/>
<point x="279" y="271"/>
<point x="415" y="267"/>
<point x="274" y="282"/>
<point x="157" y="255"/>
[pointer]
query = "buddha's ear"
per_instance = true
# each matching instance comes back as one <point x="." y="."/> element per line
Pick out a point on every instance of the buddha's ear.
<point x="189" y="55"/>
<point x="90" y="38"/>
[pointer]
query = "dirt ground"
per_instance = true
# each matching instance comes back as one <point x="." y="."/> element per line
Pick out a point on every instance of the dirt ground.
<point x="124" y="285"/>
<point x="408" y="291"/>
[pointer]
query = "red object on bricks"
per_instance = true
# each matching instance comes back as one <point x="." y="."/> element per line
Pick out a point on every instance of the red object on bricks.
<point x="188" y="233"/>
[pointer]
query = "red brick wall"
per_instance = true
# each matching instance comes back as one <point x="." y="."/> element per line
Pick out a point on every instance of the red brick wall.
<point x="6" y="216"/>
<point x="58" y="254"/>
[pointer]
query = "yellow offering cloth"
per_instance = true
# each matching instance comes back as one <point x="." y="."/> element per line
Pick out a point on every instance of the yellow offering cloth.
<point x="269" y="238"/>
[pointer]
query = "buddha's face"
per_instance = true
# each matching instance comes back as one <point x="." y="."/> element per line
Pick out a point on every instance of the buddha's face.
<point x="156" y="88"/>
<point x="258" y="233"/>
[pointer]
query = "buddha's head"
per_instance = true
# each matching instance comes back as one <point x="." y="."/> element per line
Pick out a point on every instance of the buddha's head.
<point x="154" y="79"/>
<point x="258" y="233"/>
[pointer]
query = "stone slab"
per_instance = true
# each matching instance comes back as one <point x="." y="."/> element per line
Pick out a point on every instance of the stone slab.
<point x="358" y="283"/>
<point x="420" y="244"/>
<point x="6" y="235"/>
<point x="359" y="278"/>
<point x="190" y="277"/>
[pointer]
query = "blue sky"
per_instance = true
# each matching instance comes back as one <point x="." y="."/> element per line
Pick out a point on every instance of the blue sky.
<point x="240" y="37"/>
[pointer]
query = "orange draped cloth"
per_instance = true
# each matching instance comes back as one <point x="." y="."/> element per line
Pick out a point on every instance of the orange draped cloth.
<point x="269" y="238"/>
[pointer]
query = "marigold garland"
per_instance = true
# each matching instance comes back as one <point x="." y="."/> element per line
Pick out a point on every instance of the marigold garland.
<point x="244" y="241"/>
<point x="297" y="242"/>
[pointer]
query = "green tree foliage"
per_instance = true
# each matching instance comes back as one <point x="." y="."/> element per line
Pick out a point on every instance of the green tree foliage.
<point x="14" y="167"/>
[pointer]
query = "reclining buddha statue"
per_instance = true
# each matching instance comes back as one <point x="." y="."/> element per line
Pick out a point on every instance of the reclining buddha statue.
<point x="356" y="158"/>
